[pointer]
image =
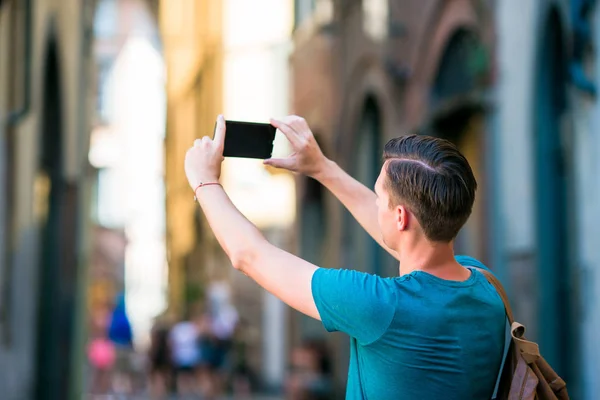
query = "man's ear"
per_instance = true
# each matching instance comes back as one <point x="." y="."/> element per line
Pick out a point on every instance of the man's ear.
<point x="402" y="218"/>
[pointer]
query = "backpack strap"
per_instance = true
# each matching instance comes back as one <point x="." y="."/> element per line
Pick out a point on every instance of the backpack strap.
<point x="550" y="384"/>
<point x="529" y="350"/>
<point x="500" y="289"/>
<point x="507" y="343"/>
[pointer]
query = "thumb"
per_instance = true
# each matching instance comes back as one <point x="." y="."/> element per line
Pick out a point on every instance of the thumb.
<point x="219" y="137"/>
<point x="285" y="163"/>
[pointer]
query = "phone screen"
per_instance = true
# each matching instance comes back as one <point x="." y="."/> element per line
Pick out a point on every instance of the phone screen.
<point x="248" y="139"/>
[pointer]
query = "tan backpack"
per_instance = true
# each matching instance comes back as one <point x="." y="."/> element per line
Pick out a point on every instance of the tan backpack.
<point x="525" y="375"/>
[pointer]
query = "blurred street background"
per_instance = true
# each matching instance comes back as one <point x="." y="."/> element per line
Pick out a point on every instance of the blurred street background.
<point x="112" y="285"/>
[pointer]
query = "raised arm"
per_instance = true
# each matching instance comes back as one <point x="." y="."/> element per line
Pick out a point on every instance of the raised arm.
<point x="309" y="160"/>
<point x="284" y="275"/>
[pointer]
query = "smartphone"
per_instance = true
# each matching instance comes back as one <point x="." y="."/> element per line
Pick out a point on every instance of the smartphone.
<point x="248" y="139"/>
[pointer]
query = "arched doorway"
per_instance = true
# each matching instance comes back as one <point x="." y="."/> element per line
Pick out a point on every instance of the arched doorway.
<point x="314" y="226"/>
<point x="58" y="244"/>
<point x="458" y="114"/>
<point x="553" y="236"/>
<point x="363" y="252"/>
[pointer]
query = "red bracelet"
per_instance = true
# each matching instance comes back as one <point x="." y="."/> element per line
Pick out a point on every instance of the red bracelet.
<point x="204" y="184"/>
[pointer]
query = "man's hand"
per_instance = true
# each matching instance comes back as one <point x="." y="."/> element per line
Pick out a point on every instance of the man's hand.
<point x="307" y="157"/>
<point x="203" y="161"/>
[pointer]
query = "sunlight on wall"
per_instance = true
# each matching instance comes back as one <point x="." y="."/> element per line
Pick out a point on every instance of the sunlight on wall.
<point x="376" y="18"/>
<point x="131" y="194"/>
<point x="257" y="47"/>
<point x="140" y="119"/>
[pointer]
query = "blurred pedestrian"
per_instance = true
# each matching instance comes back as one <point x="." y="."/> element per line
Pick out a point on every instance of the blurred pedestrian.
<point x="101" y="352"/>
<point x="185" y="355"/>
<point x="310" y="376"/>
<point x="242" y="375"/>
<point x="121" y="334"/>
<point x="223" y="325"/>
<point x="159" y="356"/>
<point x="101" y="355"/>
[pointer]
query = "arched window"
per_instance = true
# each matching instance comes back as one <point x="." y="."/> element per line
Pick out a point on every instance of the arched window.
<point x="360" y="250"/>
<point x="458" y="114"/>
<point x="313" y="223"/>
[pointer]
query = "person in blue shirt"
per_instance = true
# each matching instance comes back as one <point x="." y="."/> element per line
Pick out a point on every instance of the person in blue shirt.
<point x="434" y="332"/>
<point x="119" y="331"/>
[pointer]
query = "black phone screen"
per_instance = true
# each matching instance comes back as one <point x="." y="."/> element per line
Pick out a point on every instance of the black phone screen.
<point x="248" y="139"/>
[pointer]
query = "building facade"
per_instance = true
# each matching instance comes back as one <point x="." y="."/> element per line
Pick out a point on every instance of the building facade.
<point x="546" y="141"/>
<point x="513" y="84"/>
<point x="44" y="65"/>
<point x="365" y="72"/>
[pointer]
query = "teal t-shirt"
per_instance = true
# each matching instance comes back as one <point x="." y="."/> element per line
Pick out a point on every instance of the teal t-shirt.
<point x="416" y="336"/>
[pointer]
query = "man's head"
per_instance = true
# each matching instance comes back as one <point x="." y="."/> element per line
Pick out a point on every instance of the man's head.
<point x="426" y="187"/>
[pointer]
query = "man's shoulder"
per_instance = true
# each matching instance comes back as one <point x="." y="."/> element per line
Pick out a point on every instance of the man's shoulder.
<point x="350" y="275"/>
<point x="355" y="291"/>
<point x="468" y="261"/>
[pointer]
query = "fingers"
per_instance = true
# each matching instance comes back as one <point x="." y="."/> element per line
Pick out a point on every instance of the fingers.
<point x="220" y="131"/>
<point x="285" y="163"/>
<point x="204" y="141"/>
<point x="219" y="137"/>
<point x="298" y="124"/>
<point x="289" y="133"/>
<point x="292" y="120"/>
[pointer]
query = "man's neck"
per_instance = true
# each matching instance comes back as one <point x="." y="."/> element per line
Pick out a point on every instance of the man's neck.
<point x="434" y="258"/>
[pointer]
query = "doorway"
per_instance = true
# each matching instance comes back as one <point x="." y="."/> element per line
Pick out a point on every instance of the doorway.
<point x="553" y="240"/>
<point x="362" y="252"/>
<point x="58" y="246"/>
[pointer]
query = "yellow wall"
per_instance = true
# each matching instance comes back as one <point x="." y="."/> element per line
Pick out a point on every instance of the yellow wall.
<point x="192" y="38"/>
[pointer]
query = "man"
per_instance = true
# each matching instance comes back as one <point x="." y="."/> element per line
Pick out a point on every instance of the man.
<point x="185" y="355"/>
<point x="434" y="332"/>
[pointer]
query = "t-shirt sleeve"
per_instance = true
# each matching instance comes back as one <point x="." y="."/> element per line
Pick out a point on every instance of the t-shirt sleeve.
<point x="359" y="304"/>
